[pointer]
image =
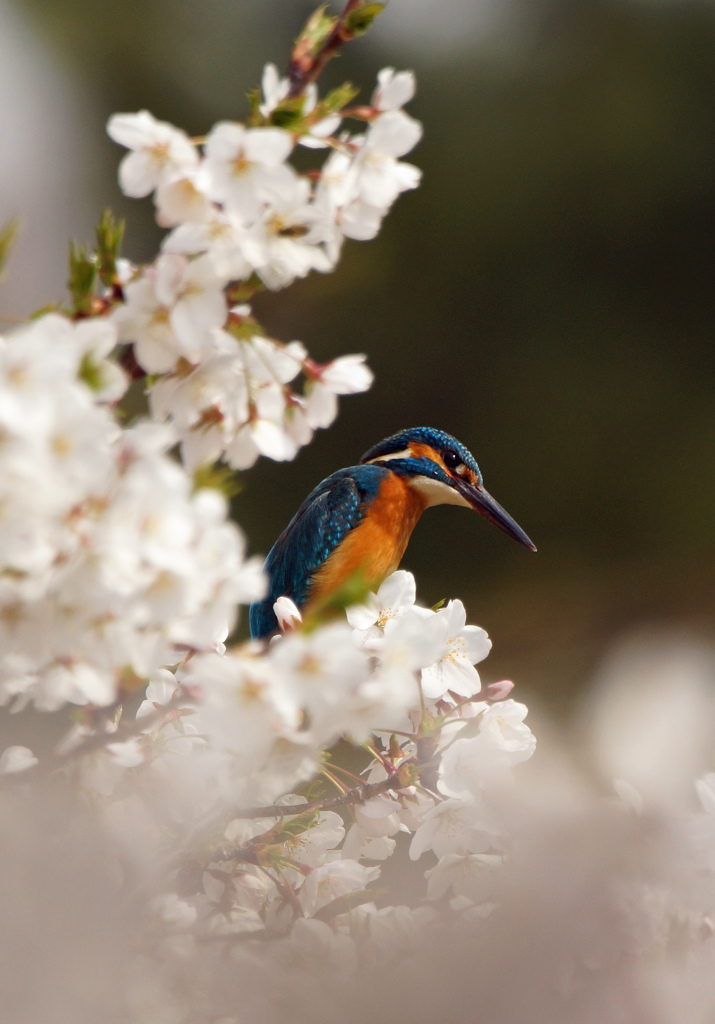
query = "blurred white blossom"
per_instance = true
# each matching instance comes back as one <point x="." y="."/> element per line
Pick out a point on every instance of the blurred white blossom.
<point x="109" y="562"/>
<point x="158" y="151"/>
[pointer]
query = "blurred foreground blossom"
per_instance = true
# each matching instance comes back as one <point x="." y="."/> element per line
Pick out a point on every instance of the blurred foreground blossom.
<point x="109" y="562"/>
<point x="653" y="716"/>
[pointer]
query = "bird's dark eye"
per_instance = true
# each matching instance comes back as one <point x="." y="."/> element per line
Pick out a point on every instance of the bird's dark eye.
<point x="451" y="459"/>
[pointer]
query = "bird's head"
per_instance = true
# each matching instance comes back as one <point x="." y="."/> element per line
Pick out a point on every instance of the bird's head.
<point x="444" y="472"/>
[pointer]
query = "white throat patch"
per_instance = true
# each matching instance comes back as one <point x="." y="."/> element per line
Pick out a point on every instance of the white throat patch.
<point x="435" y="492"/>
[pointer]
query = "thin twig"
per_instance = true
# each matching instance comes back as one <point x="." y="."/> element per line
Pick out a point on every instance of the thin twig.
<point x="304" y="68"/>
<point x="357" y="795"/>
<point x="97" y="741"/>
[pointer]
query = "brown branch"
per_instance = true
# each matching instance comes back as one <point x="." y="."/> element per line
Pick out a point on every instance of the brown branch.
<point x="128" y="362"/>
<point x="97" y="741"/>
<point x="406" y="775"/>
<point x="402" y="779"/>
<point x="305" y="67"/>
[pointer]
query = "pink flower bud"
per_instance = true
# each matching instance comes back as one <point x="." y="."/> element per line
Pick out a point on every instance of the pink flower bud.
<point x="287" y="614"/>
<point x="497" y="691"/>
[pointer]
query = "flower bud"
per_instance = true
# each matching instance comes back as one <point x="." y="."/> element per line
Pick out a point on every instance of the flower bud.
<point x="287" y="614"/>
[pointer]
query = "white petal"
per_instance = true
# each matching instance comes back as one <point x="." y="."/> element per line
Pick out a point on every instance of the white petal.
<point x="16" y="759"/>
<point x="398" y="590"/>
<point x="132" y="130"/>
<point x="271" y="440"/>
<point x="394" y="133"/>
<point x="139" y="174"/>
<point x="347" y="375"/>
<point x="321" y="406"/>
<point x="360" y="220"/>
<point x="394" y="90"/>
<point x="269" y="146"/>
<point x="362" y="616"/>
<point x="477" y="643"/>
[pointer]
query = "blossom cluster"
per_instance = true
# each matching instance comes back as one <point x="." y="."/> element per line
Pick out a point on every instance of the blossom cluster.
<point x="113" y="566"/>
<point x="109" y="563"/>
<point x="256" y="722"/>
<point x="240" y="213"/>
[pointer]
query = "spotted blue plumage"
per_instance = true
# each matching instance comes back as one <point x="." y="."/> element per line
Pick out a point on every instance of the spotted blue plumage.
<point x="437" y="439"/>
<point x="328" y="514"/>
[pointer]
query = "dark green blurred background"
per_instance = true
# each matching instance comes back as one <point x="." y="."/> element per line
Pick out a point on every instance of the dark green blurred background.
<point x="546" y="295"/>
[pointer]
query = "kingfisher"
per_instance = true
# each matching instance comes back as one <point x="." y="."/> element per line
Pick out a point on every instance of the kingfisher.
<point x="359" y="520"/>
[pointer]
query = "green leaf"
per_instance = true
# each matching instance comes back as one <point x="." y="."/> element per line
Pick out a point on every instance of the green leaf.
<point x="217" y="477"/>
<point x="8" y="236"/>
<point x="248" y="328"/>
<point x="110" y="233"/>
<point x="243" y="291"/>
<point x="292" y="827"/>
<point x="315" y="32"/>
<point x="353" y="591"/>
<point x="336" y="99"/>
<point x="51" y="307"/>
<point x="360" y="20"/>
<point x="91" y="373"/>
<point x="289" y="114"/>
<point x="83" y="274"/>
<point x="254" y="98"/>
<point x="315" y="790"/>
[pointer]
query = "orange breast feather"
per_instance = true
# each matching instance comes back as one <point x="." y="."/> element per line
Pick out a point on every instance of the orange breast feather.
<point x="375" y="547"/>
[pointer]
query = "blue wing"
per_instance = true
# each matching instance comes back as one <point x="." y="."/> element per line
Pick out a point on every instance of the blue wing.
<point x="328" y="514"/>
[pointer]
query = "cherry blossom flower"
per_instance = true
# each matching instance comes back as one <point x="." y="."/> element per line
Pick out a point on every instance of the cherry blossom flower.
<point x="246" y="167"/>
<point x="503" y="741"/>
<point x="16" y="759"/>
<point x="274" y="88"/>
<point x="333" y="880"/>
<point x="346" y="375"/>
<point x="183" y="198"/>
<point x="311" y="847"/>
<point x="378" y="816"/>
<point x="158" y="151"/>
<point x="220" y="234"/>
<point x="361" y="845"/>
<point x="394" y="89"/>
<point x="243" y="709"/>
<point x="284" y="242"/>
<point x="455" y="826"/>
<point x="95" y="339"/>
<point x="324" y="672"/>
<point x="170" y="312"/>
<point x="394" y="594"/>
<point x="380" y="175"/>
<point x="470" y="875"/>
<point x="462" y="646"/>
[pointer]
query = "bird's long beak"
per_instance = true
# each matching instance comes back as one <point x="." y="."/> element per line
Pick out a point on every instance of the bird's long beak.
<point x="482" y="502"/>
